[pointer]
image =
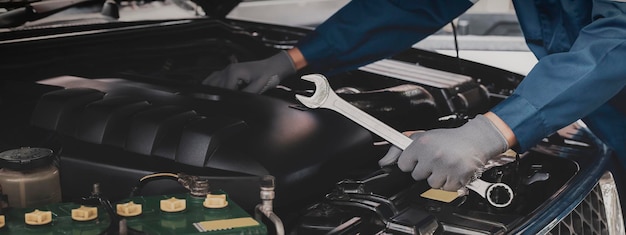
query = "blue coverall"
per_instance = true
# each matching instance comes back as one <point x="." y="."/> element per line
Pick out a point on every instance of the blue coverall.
<point x="580" y="44"/>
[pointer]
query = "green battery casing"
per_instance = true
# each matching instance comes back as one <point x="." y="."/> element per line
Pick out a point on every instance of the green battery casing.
<point x="151" y="221"/>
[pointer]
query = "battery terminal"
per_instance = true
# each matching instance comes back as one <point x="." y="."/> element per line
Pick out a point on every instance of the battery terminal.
<point x="38" y="217"/>
<point x="215" y="201"/>
<point x="128" y="209"/>
<point x="173" y="205"/>
<point x="84" y="213"/>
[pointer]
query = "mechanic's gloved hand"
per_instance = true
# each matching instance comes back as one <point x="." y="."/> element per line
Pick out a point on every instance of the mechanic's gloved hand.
<point x="449" y="158"/>
<point x="254" y="76"/>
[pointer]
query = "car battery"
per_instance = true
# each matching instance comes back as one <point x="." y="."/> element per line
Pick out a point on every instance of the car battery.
<point x="453" y="93"/>
<point x="161" y="214"/>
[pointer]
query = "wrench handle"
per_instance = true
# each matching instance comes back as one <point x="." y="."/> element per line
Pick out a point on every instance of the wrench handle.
<point x="364" y="119"/>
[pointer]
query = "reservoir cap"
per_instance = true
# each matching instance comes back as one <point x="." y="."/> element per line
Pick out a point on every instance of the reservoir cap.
<point x="25" y="158"/>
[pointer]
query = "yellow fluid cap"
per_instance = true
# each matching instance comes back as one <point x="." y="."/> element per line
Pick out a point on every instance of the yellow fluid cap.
<point x="128" y="209"/>
<point x="173" y="204"/>
<point x="84" y="213"/>
<point x="2" y="221"/>
<point x="38" y="217"/>
<point x="215" y="201"/>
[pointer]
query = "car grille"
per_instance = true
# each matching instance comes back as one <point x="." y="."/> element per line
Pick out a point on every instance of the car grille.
<point x="599" y="213"/>
<point x="589" y="217"/>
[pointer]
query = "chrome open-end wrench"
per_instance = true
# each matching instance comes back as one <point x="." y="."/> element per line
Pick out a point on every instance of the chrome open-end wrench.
<point x="325" y="97"/>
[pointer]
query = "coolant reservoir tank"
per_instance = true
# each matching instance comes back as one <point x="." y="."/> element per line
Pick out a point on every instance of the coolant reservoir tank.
<point x="29" y="178"/>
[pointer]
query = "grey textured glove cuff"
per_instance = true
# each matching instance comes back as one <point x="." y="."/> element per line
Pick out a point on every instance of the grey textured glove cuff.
<point x="278" y="67"/>
<point x="489" y="134"/>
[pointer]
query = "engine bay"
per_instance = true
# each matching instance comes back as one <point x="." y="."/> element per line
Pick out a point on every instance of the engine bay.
<point x="117" y="107"/>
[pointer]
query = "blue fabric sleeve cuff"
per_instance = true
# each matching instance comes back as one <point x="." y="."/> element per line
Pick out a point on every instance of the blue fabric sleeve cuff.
<point x="527" y="123"/>
<point x="315" y="48"/>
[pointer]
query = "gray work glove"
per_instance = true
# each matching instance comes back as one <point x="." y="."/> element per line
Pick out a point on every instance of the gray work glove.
<point x="254" y="76"/>
<point x="449" y="158"/>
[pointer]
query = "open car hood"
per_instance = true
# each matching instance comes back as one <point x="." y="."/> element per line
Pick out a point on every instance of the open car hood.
<point x="58" y="13"/>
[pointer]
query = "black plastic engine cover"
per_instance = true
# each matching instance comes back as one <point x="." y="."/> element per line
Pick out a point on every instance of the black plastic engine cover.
<point x="115" y="131"/>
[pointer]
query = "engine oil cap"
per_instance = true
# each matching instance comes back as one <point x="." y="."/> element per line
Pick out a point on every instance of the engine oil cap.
<point x="25" y="158"/>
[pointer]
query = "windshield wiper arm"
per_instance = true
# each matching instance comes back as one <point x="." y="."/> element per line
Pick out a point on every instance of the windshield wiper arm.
<point x="35" y="11"/>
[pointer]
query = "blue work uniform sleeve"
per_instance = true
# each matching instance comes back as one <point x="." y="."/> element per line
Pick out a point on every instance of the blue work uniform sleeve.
<point x="564" y="87"/>
<point x="364" y="31"/>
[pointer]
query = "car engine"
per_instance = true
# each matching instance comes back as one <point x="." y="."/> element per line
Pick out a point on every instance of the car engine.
<point x="117" y="105"/>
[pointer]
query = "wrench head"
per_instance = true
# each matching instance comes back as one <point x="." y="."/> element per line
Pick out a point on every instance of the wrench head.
<point x="322" y="91"/>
